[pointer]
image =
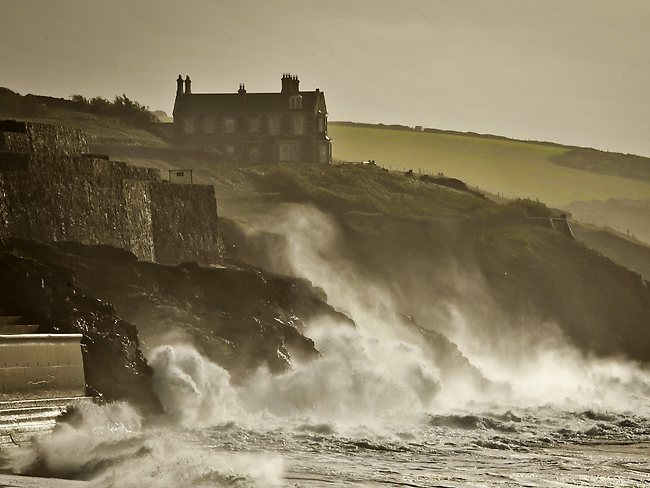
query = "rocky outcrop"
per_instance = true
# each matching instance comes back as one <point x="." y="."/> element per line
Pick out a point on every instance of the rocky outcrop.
<point x="239" y="316"/>
<point x="46" y="293"/>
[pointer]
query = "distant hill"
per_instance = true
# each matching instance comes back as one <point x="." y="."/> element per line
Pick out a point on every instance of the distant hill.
<point x="555" y="174"/>
<point x="628" y="252"/>
<point x="434" y="244"/>
<point x="620" y="214"/>
<point x="588" y="183"/>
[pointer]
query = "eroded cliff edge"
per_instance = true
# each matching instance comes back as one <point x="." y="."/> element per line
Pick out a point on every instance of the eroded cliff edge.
<point x="239" y="316"/>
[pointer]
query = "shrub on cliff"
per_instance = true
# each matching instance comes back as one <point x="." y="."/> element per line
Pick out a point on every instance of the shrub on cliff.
<point x="121" y="107"/>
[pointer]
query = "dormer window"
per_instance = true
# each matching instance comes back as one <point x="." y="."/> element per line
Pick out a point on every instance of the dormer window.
<point x="295" y="102"/>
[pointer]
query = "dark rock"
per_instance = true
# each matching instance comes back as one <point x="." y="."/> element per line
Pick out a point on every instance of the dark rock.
<point x="239" y="316"/>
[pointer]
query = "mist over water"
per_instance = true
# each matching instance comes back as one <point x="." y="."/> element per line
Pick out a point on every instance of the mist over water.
<point x="379" y="406"/>
<point x="532" y="362"/>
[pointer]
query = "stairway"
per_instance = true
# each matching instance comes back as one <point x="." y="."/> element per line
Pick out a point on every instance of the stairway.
<point x="21" y="420"/>
<point x="14" y="324"/>
<point x="23" y="417"/>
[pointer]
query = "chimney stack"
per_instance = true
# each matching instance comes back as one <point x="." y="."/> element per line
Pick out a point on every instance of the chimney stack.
<point x="179" y="85"/>
<point x="290" y="83"/>
<point x="188" y="85"/>
<point x="242" y="89"/>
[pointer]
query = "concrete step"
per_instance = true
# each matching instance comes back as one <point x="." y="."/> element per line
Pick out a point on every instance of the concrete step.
<point x="43" y="403"/>
<point x="16" y="481"/>
<point x="21" y="420"/>
<point x="18" y="329"/>
<point x="10" y="319"/>
<point x="9" y="419"/>
<point x="29" y="429"/>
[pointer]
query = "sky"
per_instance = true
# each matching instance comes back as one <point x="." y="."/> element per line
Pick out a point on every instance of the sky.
<point x="569" y="71"/>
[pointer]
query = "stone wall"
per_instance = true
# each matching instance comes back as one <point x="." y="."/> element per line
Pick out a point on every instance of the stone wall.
<point x="51" y="191"/>
<point x="181" y="223"/>
<point x="39" y="139"/>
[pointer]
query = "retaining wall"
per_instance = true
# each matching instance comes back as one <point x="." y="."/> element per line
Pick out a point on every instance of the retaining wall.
<point x="51" y="191"/>
<point x="40" y="365"/>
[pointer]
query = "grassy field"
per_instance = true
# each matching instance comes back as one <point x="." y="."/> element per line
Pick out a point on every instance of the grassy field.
<point x="511" y="168"/>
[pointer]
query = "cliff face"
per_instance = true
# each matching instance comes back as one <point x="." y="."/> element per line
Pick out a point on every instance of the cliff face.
<point x="239" y="316"/>
<point x="47" y="293"/>
<point x="52" y="190"/>
<point x="438" y="249"/>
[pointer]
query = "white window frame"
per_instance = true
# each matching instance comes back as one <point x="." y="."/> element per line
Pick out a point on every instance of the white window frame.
<point x="188" y="126"/>
<point x="229" y="125"/>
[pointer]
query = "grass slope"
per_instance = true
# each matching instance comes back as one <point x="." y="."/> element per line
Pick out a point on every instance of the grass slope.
<point x="48" y="110"/>
<point x="628" y="252"/>
<point x="510" y="167"/>
<point x="622" y="215"/>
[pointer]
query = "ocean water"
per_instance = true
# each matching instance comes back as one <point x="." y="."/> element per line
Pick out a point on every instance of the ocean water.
<point x="534" y="447"/>
<point x="379" y="407"/>
<point x="342" y="420"/>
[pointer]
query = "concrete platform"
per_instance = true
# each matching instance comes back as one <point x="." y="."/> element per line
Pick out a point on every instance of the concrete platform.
<point x="20" y="421"/>
<point x="13" y="481"/>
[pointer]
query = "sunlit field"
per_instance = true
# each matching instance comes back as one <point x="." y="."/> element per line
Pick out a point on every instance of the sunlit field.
<point x="511" y="168"/>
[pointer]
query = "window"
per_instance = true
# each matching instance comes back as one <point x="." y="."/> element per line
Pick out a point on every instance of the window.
<point x="229" y="125"/>
<point x="324" y="152"/>
<point x="274" y="125"/>
<point x="295" y="102"/>
<point x="188" y="126"/>
<point x="298" y="125"/>
<point x="230" y="152"/>
<point x="253" y="125"/>
<point x="209" y="125"/>
<point x="288" y="151"/>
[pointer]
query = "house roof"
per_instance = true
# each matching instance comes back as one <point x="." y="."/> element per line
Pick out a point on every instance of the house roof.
<point x="224" y="103"/>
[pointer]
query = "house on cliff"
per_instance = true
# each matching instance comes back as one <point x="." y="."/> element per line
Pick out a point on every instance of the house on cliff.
<point x="255" y="127"/>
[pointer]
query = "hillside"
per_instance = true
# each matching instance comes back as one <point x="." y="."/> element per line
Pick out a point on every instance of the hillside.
<point x="421" y="240"/>
<point x="100" y="127"/>
<point x="626" y="251"/>
<point x="621" y="214"/>
<point x="431" y="252"/>
<point x="554" y="174"/>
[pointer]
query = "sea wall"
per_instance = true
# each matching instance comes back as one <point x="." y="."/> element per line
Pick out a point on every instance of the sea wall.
<point x="51" y="190"/>
<point x="41" y="365"/>
<point x="181" y="223"/>
<point x="40" y="139"/>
